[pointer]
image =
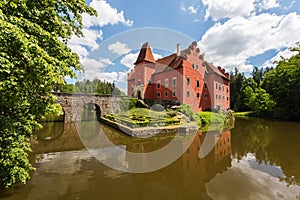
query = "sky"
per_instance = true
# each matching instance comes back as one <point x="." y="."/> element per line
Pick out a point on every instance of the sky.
<point x="231" y="33"/>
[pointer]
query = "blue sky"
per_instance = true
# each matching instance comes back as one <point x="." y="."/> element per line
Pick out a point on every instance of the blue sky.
<point x="231" y="33"/>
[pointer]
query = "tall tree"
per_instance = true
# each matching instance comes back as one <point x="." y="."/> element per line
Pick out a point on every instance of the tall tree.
<point x="34" y="57"/>
<point x="236" y="83"/>
<point x="257" y="74"/>
<point x="283" y="83"/>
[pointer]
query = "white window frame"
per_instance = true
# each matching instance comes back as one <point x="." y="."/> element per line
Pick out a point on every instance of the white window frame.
<point x="166" y="83"/>
<point x="174" y="78"/>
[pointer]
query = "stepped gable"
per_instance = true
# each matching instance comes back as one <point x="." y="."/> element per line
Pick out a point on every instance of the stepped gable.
<point x="145" y="55"/>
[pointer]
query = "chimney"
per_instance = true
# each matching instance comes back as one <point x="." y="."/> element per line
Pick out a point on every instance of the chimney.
<point x="178" y="49"/>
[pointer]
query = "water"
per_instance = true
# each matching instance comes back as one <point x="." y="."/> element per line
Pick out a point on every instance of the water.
<point x="257" y="159"/>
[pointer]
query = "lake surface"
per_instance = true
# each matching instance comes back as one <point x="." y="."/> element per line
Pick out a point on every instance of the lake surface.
<point x="257" y="159"/>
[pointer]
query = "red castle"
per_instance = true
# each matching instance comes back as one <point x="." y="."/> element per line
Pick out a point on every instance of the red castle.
<point x="184" y="76"/>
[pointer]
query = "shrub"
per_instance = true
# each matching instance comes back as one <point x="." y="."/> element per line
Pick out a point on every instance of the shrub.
<point x="128" y="103"/>
<point x="186" y="110"/>
<point x="205" y="118"/>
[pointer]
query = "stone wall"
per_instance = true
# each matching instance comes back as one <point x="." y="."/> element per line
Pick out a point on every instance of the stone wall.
<point x="151" y="131"/>
<point x="72" y="104"/>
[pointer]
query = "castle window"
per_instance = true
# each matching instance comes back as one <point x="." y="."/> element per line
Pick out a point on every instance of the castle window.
<point x="205" y="85"/>
<point x="223" y="87"/>
<point x="188" y="80"/>
<point x="174" y="81"/>
<point x="216" y="96"/>
<point x="166" y="83"/>
<point x="174" y="93"/>
<point x="198" y="83"/>
<point x="139" y="82"/>
<point x="216" y="85"/>
<point x="188" y="94"/>
<point x="220" y="97"/>
<point x="205" y="96"/>
<point x="158" y="84"/>
<point x="158" y="95"/>
<point x="223" y="98"/>
<point x="197" y="66"/>
<point x="193" y="66"/>
<point x="219" y="87"/>
<point x="198" y="95"/>
<point x="166" y="93"/>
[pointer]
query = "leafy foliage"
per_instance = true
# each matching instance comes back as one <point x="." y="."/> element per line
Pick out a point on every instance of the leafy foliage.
<point x="33" y="57"/>
<point x="236" y="83"/>
<point x="186" y="110"/>
<point x="207" y="118"/>
<point x="283" y="83"/>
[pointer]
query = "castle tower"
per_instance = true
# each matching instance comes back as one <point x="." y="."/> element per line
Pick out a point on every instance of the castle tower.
<point x="140" y="77"/>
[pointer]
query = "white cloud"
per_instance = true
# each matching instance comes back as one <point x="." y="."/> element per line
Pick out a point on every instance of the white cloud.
<point x="232" y="43"/>
<point x="80" y="50"/>
<point x="122" y="81"/>
<point x="106" y="15"/>
<point x="93" y="67"/>
<point x="286" y="54"/>
<point x="183" y="8"/>
<point x="108" y="76"/>
<point x="267" y="4"/>
<point x="130" y="58"/>
<point x="119" y="48"/>
<point x="254" y="180"/>
<point x="193" y="10"/>
<point x="219" y="9"/>
<point x="89" y="40"/>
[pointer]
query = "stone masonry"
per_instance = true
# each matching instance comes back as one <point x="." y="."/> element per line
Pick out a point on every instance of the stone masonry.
<point x="72" y="104"/>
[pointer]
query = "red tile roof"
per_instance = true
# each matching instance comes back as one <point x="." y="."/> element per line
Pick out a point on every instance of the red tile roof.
<point x="145" y="54"/>
<point x="215" y="70"/>
<point x="170" y="62"/>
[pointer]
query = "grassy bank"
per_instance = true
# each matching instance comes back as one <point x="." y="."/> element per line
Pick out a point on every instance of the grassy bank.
<point x="243" y="114"/>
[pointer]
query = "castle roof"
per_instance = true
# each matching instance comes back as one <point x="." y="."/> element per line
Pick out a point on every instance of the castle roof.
<point x="215" y="70"/>
<point x="145" y="55"/>
<point x="170" y="62"/>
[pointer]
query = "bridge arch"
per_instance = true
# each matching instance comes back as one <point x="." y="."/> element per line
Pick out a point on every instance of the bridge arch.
<point x="91" y="111"/>
<point x="72" y="104"/>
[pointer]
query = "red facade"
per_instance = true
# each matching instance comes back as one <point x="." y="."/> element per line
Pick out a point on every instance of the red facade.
<point x="184" y="76"/>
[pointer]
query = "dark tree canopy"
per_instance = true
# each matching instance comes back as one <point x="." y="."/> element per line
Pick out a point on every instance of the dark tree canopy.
<point x="283" y="83"/>
<point x="34" y="57"/>
<point x="270" y="92"/>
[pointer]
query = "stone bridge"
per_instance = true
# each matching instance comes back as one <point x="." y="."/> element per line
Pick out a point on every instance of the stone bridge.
<point x="73" y="104"/>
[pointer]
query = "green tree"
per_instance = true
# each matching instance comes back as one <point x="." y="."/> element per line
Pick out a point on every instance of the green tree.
<point x="283" y="83"/>
<point x="236" y="83"/>
<point x="259" y="101"/>
<point x="34" y="57"/>
<point x="243" y="96"/>
<point x="257" y="74"/>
